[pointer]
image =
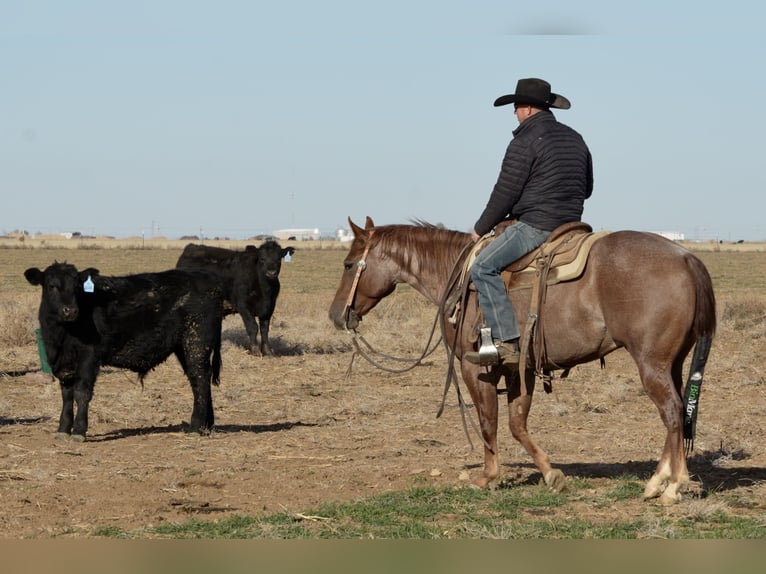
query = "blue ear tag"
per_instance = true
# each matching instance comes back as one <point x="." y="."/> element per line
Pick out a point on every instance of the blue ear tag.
<point x="88" y="285"/>
<point x="288" y="258"/>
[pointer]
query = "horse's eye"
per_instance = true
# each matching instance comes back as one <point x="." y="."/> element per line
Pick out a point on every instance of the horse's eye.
<point x="347" y="265"/>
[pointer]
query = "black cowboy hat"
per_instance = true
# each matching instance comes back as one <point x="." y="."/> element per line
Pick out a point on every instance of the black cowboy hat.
<point x="535" y="92"/>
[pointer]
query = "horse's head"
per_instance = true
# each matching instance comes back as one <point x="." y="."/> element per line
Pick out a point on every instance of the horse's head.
<point x="368" y="276"/>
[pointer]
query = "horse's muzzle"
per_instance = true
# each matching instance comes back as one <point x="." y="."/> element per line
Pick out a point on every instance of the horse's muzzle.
<point x="352" y="319"/>
<point x="344" y="318"/>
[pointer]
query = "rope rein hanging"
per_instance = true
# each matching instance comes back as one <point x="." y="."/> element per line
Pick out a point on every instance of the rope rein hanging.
<point x="368" y="356"/>
<point x="361" y="265"/>
<point x="458" y="280"/>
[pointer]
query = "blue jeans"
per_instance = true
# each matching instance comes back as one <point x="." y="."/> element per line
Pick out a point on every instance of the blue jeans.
<point x="517" y="240"/>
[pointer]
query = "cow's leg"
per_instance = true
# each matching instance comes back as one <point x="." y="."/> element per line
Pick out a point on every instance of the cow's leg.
<point x="251" y="326"/>
<point x="198" y="372"/>
<point x="202" y="413"/>
<point x="264" y="328"/>
<point x="202" y="419"/>
<point x="83" y="393"/>
<point x="66" y="419"/>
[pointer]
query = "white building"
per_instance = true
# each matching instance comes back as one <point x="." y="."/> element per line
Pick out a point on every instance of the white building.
<point x="672" y="235"/>
<point x="344" y="235"/>
<point x="297" y="234"/>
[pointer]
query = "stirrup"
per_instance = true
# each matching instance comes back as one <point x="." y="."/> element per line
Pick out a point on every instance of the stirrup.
<point x="487" y="354"/>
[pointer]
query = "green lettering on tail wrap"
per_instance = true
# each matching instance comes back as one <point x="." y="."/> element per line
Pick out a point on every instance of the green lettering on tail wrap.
<point x="693" y="387"/>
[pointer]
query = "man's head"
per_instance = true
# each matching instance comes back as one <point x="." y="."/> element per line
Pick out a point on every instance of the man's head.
<point x="536" y="93"/>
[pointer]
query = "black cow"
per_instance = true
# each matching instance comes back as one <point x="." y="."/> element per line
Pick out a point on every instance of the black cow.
<point x="133" y="322"/>
<point x="250" y="282"/>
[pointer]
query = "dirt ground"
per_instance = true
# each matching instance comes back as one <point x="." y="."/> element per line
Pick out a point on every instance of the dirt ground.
<point x="292" y="432"/>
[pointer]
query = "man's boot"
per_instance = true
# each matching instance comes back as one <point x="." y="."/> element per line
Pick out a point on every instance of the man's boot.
<point x="508" y="354"/>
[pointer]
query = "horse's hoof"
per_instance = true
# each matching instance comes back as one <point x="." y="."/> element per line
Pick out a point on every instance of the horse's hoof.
<point x="668" y="499"/>
<point x="78" y="438"/>
<point x="555" y="480"/>
<point x="652" y="491"/>
<point x="61" y="436"/>
<point x="482" y="482"/>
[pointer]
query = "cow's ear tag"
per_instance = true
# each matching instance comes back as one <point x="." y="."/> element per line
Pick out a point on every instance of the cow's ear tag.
<point x="288" y="258"/>
<point x="88" y="285"/>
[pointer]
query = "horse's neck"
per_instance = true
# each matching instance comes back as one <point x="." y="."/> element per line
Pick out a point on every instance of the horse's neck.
<point x="428" y="269"/>
<point x="429" y="286"/>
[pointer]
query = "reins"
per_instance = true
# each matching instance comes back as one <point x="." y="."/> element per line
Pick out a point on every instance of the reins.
<point x="368" y="354"/>
<point x="457" y="278"/>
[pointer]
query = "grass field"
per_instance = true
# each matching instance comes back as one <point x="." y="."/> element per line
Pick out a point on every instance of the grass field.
<point x="304" y="452"/>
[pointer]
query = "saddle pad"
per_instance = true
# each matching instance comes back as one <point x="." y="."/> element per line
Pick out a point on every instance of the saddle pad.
<point x="564" y="269"/>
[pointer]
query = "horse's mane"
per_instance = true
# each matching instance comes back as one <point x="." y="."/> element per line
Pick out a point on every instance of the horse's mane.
<point x="422" y="245"/>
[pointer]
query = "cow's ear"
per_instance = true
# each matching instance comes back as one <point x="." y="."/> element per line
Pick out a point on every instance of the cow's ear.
<point x="34" y="276"/>
<point x="251" y="248"/>
<point x="89" y="272"/>
<point x="86" y="279"/>
<point x="288" y="250"/>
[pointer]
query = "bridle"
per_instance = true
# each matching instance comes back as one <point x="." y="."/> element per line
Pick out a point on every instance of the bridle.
<point x="361" y="265"/>
<point x="361" y="346"/>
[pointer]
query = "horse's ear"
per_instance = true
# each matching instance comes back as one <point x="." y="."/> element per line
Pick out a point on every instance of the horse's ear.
<point x="368" y="224"/>
<point x="355" y="228"/>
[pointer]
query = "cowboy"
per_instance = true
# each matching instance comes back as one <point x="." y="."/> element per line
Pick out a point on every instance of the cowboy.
<point x="544" y="180"/>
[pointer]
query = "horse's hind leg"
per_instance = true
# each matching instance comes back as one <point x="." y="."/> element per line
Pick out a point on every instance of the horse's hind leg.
<point x="671" y="469"/>
<point x="518" y="411"/>
<point x="664" y="390"/>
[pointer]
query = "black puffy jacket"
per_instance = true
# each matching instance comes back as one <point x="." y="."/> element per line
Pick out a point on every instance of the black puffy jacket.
<point x="546" y="176"/>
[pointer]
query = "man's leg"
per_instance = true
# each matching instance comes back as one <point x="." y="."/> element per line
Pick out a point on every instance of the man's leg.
<point x="517" y="240"/>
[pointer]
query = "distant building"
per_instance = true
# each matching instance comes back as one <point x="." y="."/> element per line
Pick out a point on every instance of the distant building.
<point x="672" y="235"/>
<point x="297" y="234"/>
<point x="344" y="235"/>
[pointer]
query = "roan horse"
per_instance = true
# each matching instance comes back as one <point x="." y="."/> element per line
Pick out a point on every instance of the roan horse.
<point x="639" y="291"/>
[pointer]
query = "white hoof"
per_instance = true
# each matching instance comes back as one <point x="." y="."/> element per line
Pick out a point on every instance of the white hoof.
<point x="555" y="480"/>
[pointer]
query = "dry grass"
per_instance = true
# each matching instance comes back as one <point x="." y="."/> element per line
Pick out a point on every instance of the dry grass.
<point x="294" y="432"/>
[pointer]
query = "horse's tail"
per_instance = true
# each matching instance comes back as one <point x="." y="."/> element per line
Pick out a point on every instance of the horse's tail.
<point x="703" y="327"/>
<point x="704" y="317"/>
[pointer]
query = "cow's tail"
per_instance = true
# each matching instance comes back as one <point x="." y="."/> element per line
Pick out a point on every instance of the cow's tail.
<point x="704" y="328"/>
<point x="215" y="377"/>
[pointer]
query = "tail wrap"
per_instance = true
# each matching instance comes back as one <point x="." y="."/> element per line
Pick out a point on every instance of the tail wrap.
<point x="693" y="389"/>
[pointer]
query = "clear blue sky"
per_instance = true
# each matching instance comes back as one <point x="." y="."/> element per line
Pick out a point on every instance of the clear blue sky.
<point x="241" y="117"/>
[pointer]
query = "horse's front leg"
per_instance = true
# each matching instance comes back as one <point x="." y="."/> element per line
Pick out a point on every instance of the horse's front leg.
<point x="482" y="385"/>
<point x="519" y="406"/>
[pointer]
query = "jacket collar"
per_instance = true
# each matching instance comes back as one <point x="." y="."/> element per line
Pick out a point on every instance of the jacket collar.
<point x="541" y="116"/>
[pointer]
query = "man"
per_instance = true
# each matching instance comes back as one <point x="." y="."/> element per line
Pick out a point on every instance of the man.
<point x="545" y="178"/>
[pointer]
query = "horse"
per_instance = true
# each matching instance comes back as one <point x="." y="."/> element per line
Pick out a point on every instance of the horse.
<point x="638" y="291"/>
